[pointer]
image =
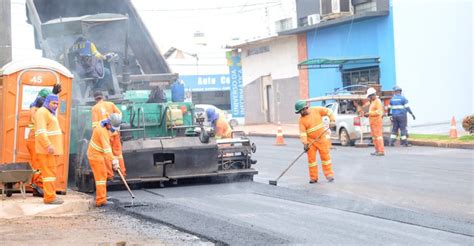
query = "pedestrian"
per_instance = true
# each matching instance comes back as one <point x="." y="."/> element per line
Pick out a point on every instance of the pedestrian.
<point x="312" y="127"/>
<point x="49" y="146"/>
<point x="375" y="115"/>
<point x="101" y="111"/>
<point x="98" y="152"/>
<point x="37" y="180"/>
<point x="398" y="109"/>
<point x="219" y="123"/>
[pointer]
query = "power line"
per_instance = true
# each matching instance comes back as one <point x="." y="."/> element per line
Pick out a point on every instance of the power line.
<point x="207" y="9"/>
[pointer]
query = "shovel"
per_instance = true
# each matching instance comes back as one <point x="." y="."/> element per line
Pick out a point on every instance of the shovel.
<point x="131" y="204"/>
<point x="275" y="182"/>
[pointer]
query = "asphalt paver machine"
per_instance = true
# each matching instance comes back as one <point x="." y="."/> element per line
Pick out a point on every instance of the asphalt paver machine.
<point x="162" y="141"/>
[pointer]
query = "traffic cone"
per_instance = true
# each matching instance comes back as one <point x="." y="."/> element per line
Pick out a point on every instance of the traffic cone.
<point x="453" y="132"/>
<point x="279" y="136"/>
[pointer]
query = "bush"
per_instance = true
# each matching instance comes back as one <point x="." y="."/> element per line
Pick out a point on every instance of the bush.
<point x="468" y="124"/>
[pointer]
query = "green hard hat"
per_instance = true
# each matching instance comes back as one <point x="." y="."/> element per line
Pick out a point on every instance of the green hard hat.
<point x="44" y="93"/>
<point x="299" y="105"/>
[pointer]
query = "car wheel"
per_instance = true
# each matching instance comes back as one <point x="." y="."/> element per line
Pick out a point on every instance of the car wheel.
<point x="233" y="122"/>
<point x="344" y="137"/>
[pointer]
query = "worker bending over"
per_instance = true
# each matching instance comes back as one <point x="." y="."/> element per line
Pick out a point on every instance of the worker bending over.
<point x="99" y="151"/>
<point x="375" y="115"/>
<point x="313" y="136"/>
<point x="101" y="111"/>
<point x="49" y="146"/>
<point x="398" y="109"/>
<point x="219" y="124"/>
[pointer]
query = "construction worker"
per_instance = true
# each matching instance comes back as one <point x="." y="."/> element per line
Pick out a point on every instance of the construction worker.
<point x="99" y="151"/>
<point x="375" y="114"/>
<point x="36" y="180"/>
<point x="90" y="63"/>
<point x="313" y="137"/>
<point x="49" y="146"/>
<point x="219" y="124"/>
<point x="398" y="109"/>
<point x="101" y="111"/>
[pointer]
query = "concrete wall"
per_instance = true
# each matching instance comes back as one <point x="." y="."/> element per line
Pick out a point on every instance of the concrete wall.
<point x="287" y="93"/>
<point x="253" y="99"/>
<point x="276" y="105"/>
<point x="433" y="50"/>
<point x="281" y="61"/>
<point x="372" y="37"/>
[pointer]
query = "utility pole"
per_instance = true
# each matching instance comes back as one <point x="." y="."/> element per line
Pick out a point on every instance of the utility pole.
<point x="5" y="33"/>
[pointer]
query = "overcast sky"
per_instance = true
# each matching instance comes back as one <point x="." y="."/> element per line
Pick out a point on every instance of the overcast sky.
<point x="172" y="23"/>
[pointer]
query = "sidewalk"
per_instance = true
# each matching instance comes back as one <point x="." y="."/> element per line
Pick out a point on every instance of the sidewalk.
<point x="15" y="206"/>
<point x="292" y="131"/>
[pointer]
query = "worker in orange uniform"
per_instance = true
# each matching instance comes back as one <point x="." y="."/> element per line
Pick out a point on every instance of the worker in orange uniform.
<point x="49" y="146"/>
<point x="311" y="128"/>
<point x="375" y="114"/>
<point x="37" y="180"/>
<point x="101" y="111"/>
<point x="219" y="124"/>
<point x="99" y="151"/>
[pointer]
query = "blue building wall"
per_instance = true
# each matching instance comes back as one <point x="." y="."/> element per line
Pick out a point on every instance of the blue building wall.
<point x="372" y="37"/>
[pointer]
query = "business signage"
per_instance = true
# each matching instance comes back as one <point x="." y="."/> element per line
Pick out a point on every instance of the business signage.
<point x="215" y="82"/>
<point x="236" y="88"/>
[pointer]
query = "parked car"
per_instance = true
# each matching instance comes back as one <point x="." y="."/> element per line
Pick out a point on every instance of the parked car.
<point x="348" y="122"/>
<point x="201" y="108"/>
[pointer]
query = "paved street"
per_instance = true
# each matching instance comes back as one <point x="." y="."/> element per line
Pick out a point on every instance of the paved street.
<point x="411" y="196"/>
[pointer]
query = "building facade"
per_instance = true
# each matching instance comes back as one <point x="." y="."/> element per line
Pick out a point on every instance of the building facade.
<point x="270" y="79"/>
<point x="424" y="48"/>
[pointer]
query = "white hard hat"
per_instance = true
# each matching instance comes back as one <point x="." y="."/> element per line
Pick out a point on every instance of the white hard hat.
<point x="370" y="91"/>
<point x="115" y="120"/>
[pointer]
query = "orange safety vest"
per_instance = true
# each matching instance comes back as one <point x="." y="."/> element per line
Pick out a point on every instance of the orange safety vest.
<point x="102" y="110"/>
<point x="223" y="129"/>
<point x="31" y="134"/>
<point x="47" y="132"/>
<point x="376" y="111"/>
<point x="99" y="145"/>
<point x="311" y="125"/>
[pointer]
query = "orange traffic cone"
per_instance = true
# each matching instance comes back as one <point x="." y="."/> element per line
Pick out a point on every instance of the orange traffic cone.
<point x="453" y="132"/>
<point x="279" y="136"/>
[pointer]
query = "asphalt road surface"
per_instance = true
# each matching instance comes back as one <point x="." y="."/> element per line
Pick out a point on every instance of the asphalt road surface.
<point x="412" y="196"/>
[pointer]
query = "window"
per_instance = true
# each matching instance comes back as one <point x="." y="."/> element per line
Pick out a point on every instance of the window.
<point x="258" y="50"/>
<point x="361" y="76"/>
<point x="365" y="7"/>
<point x="283" y="25"/>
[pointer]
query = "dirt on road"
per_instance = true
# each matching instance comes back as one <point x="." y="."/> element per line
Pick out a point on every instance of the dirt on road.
<point x="29" y="222"/>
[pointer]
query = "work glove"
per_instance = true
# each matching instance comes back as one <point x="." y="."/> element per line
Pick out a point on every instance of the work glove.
<point x="57" y="89"/>
<point x="50" y="150"/>
<point x="110" y="56"/>
<point x="306" y="147"/>
<point x="115" y="164"/>
<point x="413" y="116"/>
<point x="332" y="125"/>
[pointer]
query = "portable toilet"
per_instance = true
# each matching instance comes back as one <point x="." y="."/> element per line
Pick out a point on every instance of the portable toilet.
<point x="20" y="82"/>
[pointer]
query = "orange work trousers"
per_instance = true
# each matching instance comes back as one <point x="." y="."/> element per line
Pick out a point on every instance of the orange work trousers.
<point x="100" y="177"/>
<point x="117" y="152"/>
<point x="377" y="135"/>
<point x="30" y="145"/>
<point x="48" y="166"/>
<point x="322" y="146"/>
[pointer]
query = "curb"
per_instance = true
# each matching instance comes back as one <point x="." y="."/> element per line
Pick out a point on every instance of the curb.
<point x="413" y="142"/>
<point x="259" y="134"/>
<point x="442" y="145"/>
